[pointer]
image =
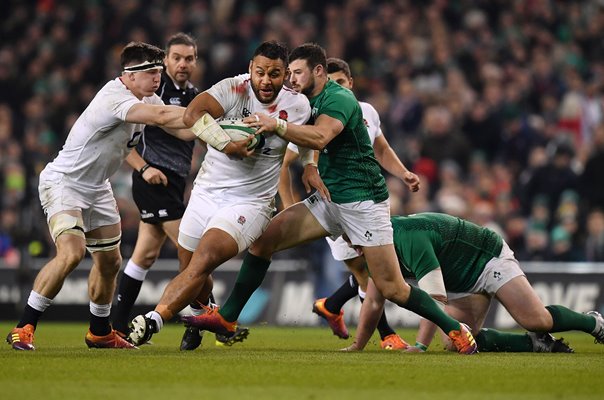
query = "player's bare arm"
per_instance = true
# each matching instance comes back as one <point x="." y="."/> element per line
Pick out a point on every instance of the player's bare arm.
<point x="286" y="192"/>
<point x="391" y="163"/>
<point x="153" y="114"/>
<point x="314" y="136"/>
<point x="148" y="173"/>
<point x="371" y="311"/>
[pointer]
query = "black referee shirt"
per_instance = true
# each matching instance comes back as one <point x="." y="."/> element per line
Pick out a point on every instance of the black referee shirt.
<point x="160" y="148"/>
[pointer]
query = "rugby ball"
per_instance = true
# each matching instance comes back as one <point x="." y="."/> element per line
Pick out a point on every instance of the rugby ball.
<point x="238" y="130"/>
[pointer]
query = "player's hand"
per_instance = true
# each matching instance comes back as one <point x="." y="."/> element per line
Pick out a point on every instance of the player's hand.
<point x="413" y="349"/>
<point x="412" y="181"/>
<point x="154" y="176"/>
<point x="311" y="179"/>
<point x="238" y="148"/>
<point x="352" y="347"/>
<point x="262" y="122"/>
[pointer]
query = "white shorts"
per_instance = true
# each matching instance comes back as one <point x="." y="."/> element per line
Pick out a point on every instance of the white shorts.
<point x="244" y="222"/>
<point x="98" y="206"/>
<point x="498" y="271"/>
<point x="340" y="250"/>
<point x="365" y="222"/>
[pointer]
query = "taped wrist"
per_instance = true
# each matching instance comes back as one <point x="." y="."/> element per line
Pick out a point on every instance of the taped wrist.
<point x="208" y="130"/>
<point x="421" y="346"/>
<point x="281" y="128"/>
<point x="307" y="156"/>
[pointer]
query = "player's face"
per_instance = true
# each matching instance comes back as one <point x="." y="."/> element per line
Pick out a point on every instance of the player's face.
<point x="180" y="62"/>
<point x="267" y="77"/>
<point x="341" y="79"/>
<point x="301" y="77"/>
<point x="145" y="82"/>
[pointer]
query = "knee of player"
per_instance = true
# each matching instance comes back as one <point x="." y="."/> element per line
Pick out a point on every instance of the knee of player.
<point x="262" y="248"/>
<point x="71" y="257"/>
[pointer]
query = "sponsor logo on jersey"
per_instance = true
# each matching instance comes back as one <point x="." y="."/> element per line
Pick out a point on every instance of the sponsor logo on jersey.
<point x="175" y="101"/>
<point x="241" y="220"/>
<point x="366" y="122"/>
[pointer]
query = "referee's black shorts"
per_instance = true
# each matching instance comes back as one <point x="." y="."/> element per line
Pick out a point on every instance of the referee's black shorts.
<point x="159" y="203"/>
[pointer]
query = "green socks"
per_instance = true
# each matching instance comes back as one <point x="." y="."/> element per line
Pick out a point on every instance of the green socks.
<point x="424" y="305"/>
<point x="568" y="320"/>
<point x="249" y="279"/>
<point x="493" y="340"/>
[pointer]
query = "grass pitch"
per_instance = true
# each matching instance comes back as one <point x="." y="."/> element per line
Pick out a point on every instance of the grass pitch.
<point x="288" y="363"/>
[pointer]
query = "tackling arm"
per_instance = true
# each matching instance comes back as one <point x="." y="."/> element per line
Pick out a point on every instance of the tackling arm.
<point x="315" y="136"/>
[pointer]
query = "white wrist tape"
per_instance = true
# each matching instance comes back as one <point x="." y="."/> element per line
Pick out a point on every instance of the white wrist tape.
<point x="281" y="128"/>
<point x="208" y="130"/>
<point x="307" y="156"/>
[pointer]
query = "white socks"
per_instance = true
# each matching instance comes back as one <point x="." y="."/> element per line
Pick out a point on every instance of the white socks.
<point x="134" y="271"/>
<point x="157" y="318"/>
<point x="100" y="310"/>
<point x="38" y="302"/>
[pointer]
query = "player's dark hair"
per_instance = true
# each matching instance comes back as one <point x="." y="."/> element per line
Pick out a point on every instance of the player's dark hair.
<point x="139" y="52"/>
<point x="336" y="65"/>
<point x="273" y="50"/>
<point x="312" y="53"/>
<point x="181" y="38"/>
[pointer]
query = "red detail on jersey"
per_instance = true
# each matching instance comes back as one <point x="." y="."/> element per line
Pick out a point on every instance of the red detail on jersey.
<point x="272" y="108"/>
<point x="366" y="123"/>
<point x="241" y="220"/>
<point x="283" y="115"/>
<point x="241" y="88"/>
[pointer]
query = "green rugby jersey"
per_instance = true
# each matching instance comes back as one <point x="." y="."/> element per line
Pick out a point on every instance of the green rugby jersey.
<point x="460" y="248"/>
<point x="347" y="164"/>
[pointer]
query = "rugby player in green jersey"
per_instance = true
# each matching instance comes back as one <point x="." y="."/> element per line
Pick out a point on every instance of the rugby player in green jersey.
<point x="351" y="198"/>
<point x="464" y="266"/>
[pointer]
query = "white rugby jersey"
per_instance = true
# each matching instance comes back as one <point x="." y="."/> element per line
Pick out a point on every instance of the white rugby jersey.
<point x="255" y="177"/>
<point x="372" y="122"/>
<point x="100" y="139"/>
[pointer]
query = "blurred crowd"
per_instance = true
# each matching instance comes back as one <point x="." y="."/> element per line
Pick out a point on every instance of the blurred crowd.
<point x="496" y="104"/>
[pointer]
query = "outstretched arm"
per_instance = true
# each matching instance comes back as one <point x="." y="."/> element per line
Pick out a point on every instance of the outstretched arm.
<point x="371" y="311"/>
<point x="433" y="284"/>
<point x="391" y="163"/>
<point x="315" y="136"/>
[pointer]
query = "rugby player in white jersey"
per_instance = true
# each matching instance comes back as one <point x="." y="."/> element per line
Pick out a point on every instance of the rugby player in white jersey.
<point x="77" y="198"/>
<point x="330" y="308"/>
<point x="232" y="200"/>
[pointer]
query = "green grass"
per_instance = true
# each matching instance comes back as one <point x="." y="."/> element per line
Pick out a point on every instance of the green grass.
<point x="287" y="363"/>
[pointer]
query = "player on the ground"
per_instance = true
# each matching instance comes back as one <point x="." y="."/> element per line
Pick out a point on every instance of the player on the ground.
<point x="161" y="164"/>
<point x="339" y="71"/>
<point x="233" y="199"/>
<point x="77" y="198"/>
<point x="351" y="198"/>
<point x="464" y="266"/>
